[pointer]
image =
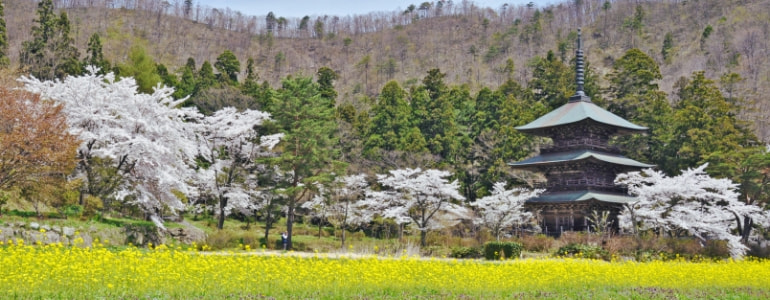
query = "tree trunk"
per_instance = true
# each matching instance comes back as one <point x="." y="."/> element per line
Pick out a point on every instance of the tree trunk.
<point x="423" y="237"/>
<point x="289" y="224"/>
<point x="748" y="222"/>
<point x="268" y="223"/>
<point x="222" y="204"/>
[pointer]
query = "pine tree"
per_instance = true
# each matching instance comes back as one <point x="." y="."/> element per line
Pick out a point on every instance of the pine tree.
<point x="633" y="75"/>
<point x="704" y="129"/>
<point x="326" y="78"/>
<point x="307" y="148"/>
<point x="229" y="67"/>
<point x="50" y="54"/>
<point x="390" y="127"/>
<point x="95" y="55"/>
<point x="206" y="77"/>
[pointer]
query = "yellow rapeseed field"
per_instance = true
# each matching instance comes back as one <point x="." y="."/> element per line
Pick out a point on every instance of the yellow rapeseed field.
<point x="57" y="271"/>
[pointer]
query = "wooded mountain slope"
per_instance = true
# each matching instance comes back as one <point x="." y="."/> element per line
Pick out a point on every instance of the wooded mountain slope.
<point x="468" y="43"/>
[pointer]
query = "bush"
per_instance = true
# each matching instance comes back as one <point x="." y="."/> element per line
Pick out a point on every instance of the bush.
<point x="583" y="251"/>
<point x="465" y="252"/>
<point x="716" y="249"/>
<point x="537" y="243"/>
<point x="502" y="250"/>
<point x="23" y="214"/>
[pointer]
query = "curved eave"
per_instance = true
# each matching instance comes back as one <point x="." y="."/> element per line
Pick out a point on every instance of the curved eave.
<point x="578" y="155"/>
<point x="577" y="111"/>
<point x="581" y="196"/>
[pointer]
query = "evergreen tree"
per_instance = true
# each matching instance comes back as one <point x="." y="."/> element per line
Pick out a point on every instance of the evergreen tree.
<point x="187" y="83"/>
<point x="4" y="60"/>
<point x="190" y="64"/>
<point x="95" y="55"/>
<point x="169" y="79"/>
<point x="326" y="78"/>
<point x="633" y="75"/>
<point x="307" y="148"/>
<point x="668" y="45"/>
<point x="704" y="129"/>
<point x="229" y="67"/>
<point x="65" y="54"/>
<point x="390" y="127"/>
<point x="206" y="77"/>
<point x="50" y="53"/>
<point x="553" y="80"/>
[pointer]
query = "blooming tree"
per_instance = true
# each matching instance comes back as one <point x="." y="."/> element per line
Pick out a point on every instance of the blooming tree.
<point x="423" y="197"/>
<point x="503" y="208"/>
<point x="705" y="207"/>
<point x="348" y="192"/>
<point x="229" y="147"/>
<point x="147" y="133"/>
<point x="341" y="203"/>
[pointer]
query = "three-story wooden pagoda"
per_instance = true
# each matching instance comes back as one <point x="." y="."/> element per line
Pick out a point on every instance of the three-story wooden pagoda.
<point x="579" y="165"/>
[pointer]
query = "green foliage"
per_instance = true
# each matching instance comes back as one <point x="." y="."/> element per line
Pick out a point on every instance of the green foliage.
<point x="668" y="45"/>
<point x="50" y="54"/>
<point x="502" y="250"/>
<point x="583" y="251"/>
<point x="3" y="200"/>
<point x="326" y="78"/>
<point x="465" y="252"/>
<point x="187" y="84"/>
<point x="553" y="80"/>
<point x="390" y="126"/>
<point x="95" y="55"/>
<point x="633" y="75"/>
<point x="307" y="150"/>
<point x="705" y="35"/>
<point x="4" y="60"/>
<point x="206" y="77"/>
<point x="704" y="128"/>
<point x="142" y="68"/>
<point x="229" y="67"/>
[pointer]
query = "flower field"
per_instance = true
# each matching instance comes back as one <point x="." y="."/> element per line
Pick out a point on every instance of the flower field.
<point x="57" y="271"/>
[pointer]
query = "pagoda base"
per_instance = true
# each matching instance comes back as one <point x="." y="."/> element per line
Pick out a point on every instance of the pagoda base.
<point x="557" y="217"/>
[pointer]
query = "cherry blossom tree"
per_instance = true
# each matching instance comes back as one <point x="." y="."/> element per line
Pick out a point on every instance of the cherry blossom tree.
<point x="503" y="208"/>
<point x="705" y="207"/>
<point x="425" y="198"/>
<point x="348" y="192"/>
<point x="229" y="146"/>
<point x="341" y="203"/>
<point x="144" y="131"/>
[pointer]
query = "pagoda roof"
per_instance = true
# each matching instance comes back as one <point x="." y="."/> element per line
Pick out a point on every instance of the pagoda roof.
<point x="577" y="155"/>
<point x="580" y="196"/>
<point x="576" y="111"/>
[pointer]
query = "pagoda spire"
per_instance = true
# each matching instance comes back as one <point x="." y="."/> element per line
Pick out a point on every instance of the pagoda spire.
<point x="579" y="95"/>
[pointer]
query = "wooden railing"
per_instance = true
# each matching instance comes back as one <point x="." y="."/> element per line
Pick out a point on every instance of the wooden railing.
<point x="579" y="184"/>
<point x="582" y="143"/>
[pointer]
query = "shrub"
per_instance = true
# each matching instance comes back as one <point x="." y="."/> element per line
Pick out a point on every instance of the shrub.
<point x="583" y="251"/>
<point x="502" y="250"/>
<point x="465" y="252"/>
<point x="716" y="249"/>
<point x="537" y="243"/>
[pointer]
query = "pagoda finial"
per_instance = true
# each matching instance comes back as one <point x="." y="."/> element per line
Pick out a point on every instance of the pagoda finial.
<point x="579" y="95"/>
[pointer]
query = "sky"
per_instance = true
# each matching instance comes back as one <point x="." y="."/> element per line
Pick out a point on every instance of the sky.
<point x="300" y="8"/>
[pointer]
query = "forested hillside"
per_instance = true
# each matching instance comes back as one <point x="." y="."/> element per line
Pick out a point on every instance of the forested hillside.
<point x="470" y="44"/>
